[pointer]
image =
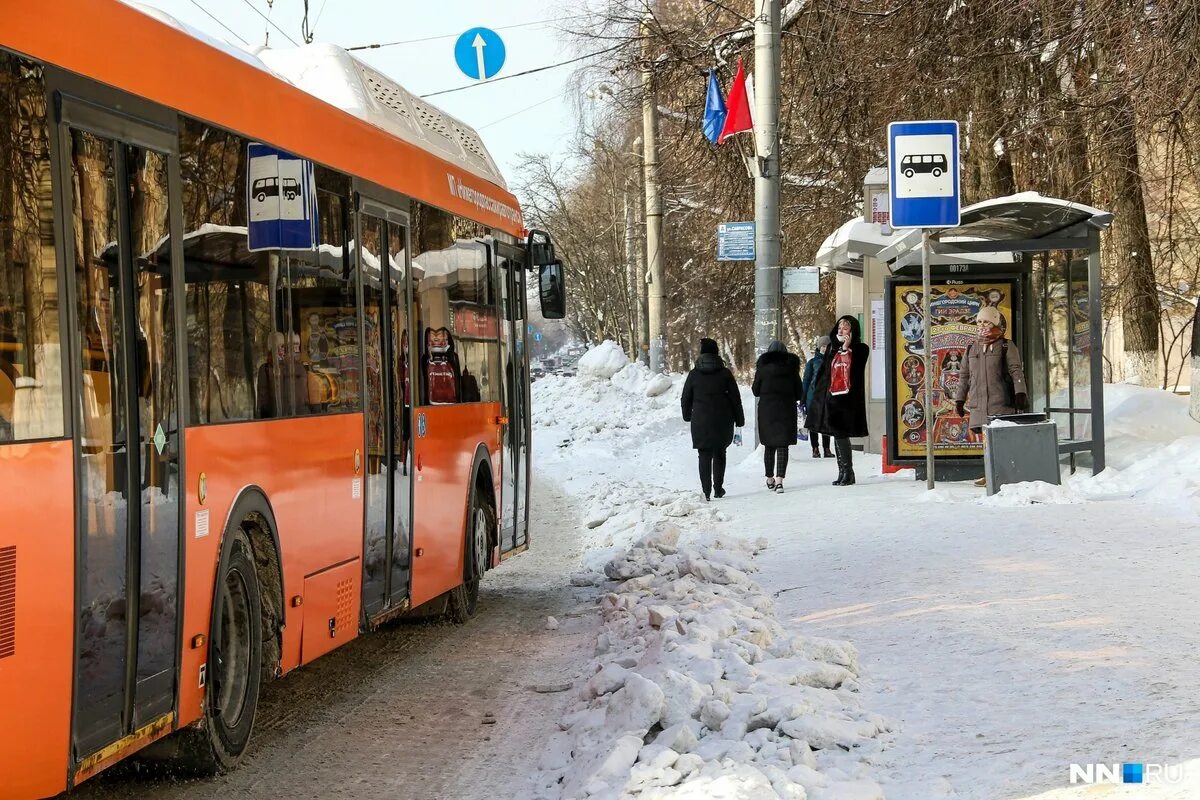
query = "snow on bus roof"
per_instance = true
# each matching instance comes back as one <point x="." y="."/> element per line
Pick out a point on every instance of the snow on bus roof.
<point x="333" y="76"/>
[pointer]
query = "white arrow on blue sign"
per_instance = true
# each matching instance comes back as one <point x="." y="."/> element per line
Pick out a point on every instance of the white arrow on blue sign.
<point x="479" y="53"/>
<point x="923" y="174"/>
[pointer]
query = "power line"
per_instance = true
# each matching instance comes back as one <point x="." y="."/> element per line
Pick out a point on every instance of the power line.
<point x="522" y="111"/>
<point x="526" y="72"/>
<point x="222" y="24"/>
<point x="272" y="24"/>
<point x="456" y="35"/>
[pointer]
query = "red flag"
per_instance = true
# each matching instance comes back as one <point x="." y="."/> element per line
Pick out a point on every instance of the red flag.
<point x="738" y="117"/>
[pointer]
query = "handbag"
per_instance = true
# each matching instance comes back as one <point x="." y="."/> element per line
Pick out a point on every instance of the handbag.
<point x="801" y="422"/>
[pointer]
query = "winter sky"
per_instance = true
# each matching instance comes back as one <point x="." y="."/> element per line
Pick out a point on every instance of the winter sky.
<point x="525" y="114"/>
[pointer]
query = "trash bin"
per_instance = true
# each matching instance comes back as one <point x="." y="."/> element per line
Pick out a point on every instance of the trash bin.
<point x="1020" y="447"/>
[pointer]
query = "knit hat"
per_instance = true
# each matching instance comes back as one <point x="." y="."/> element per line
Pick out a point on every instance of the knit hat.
<point x="989" y="314"/>
<point x="708" y="346"/>
<point x="823" y="343"/>
<point x="776" y="347"/>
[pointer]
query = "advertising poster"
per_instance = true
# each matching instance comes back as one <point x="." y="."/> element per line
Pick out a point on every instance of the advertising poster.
<point x="953" y="328"/>
<point x="329" y="347"/>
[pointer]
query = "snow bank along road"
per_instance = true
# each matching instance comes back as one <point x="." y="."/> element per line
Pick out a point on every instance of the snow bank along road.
<point x="1002" y="640"/>
<point x="421" y="711"/>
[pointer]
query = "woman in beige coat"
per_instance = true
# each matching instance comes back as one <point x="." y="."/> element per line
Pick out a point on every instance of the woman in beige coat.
<point x="992" y="382"/>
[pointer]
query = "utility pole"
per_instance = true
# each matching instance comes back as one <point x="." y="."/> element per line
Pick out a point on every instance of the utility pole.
<point x="633" y="278"/>
<point x="768" y="277"/>
<point x="656" y="278"/>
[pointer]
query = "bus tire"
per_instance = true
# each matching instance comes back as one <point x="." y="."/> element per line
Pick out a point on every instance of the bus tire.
<point x="464" y="598"/>
<point x="234" y="672"/>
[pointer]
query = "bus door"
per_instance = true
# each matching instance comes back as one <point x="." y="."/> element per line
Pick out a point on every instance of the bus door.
<point x="123" y="246"/>
<point x="514" y="481"/>
<point x="382" y="249"/>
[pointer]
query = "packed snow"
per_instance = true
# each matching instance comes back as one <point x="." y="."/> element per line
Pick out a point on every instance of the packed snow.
<point x="876" y="640"/>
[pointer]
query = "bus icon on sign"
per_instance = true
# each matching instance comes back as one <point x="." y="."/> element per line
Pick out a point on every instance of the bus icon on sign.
<point x="934" y="163"/>
<point x="269" y="187"/>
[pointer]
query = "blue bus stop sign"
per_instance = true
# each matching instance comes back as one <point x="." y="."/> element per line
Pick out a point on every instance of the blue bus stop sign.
<point x="479" y="53"/>
<point x="923" y="174"/>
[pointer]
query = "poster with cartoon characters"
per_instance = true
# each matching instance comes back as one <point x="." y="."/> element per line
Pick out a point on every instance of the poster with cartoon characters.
<point x="329" y="349"/>
<point x="954" y="307"/>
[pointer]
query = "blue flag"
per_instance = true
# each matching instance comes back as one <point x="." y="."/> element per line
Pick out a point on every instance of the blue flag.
<point x="714" y="109"/>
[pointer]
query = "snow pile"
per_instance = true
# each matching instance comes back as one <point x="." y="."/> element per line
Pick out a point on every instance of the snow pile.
<point x="1031" y="493"/>
<point x="603" y="361"/>
<point x="697" y="691"/>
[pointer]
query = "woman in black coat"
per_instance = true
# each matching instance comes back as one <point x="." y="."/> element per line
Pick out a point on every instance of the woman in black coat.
<point x="839" y="397"/>
<point x="778" y="387"/>
<point x="713" y="405"/>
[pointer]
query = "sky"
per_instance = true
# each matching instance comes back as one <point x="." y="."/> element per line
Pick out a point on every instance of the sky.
<point x="524" y="114"/>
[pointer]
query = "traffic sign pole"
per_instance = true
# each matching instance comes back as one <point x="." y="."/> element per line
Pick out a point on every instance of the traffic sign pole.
<point x="927" y="338"/>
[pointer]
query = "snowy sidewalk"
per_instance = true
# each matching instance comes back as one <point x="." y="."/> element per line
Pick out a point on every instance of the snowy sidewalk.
<point x="1001" y="641"/>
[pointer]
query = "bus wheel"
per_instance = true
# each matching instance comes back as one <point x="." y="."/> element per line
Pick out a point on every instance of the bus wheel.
<point x="464" y="599"/>
<point x="234" y="665"/>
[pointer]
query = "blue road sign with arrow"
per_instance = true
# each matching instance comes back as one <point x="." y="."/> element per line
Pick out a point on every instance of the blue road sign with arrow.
<point x="479" y="53"/>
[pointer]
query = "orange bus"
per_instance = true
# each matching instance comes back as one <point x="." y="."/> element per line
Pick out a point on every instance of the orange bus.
<point x="221" y="459"/>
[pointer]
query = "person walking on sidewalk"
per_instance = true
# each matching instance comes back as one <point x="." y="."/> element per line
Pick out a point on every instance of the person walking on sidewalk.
<point x="778" y="388"/>
<point x="992" y="380"/>
<point x="839" y="398"/>
<point x="713" y="405"/>
<point x="811" y="370"/>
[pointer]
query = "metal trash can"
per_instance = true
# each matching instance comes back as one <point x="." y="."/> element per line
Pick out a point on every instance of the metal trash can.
<point x="1024" y="447"/>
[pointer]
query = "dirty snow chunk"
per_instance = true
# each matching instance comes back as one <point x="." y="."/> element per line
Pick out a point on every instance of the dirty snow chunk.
<point x="603" y="361"/>
<point x="709" y="572"/>
<point x="634" y="564"/>
<point x="680" y="737"/>
<point x="551" y="624"/>
<point x="833" y="651"/>
<point x="802" y="754"/>
<point x="661" y="615"/>
<point x="827" y="732"/>
<point x="849" y="790"/>
<point x="606" y="681"/>
<point x="682" y="697"/>
<point x="635" y="707"/>
<point x="718" y="782"/>
<point x="713" y="714"/>
<point x="805" y="672"/>
<point x="657" y="385"/>
<point x="663" y="537"/>
<point x="807" y="776"/>
<point x="603" y="763"/>
<point x="597" y="518"/>
<point x="587" y="579"/>
<point x="688" y="763"/>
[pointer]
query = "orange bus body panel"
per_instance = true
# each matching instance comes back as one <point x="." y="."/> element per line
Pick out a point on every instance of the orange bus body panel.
<point x="35" y="680"/>
<point x="444" y="457"/>
<point x="305" y="467"/>
<point x="120" y="46"/>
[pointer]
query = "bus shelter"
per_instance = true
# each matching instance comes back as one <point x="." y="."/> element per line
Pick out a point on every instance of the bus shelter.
<point x="1037" y="260"/>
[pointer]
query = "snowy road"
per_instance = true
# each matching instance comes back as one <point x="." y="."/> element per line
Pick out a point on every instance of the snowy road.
<point x="400" y="714"/>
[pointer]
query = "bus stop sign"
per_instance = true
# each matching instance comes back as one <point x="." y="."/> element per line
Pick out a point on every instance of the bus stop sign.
<point x="923" y="173"/>
<point x="281" y="200"/>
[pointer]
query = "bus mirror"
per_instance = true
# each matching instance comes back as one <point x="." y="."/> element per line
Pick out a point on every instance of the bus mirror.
<point x="541" y="249"/>
<point x="552" y="287"/>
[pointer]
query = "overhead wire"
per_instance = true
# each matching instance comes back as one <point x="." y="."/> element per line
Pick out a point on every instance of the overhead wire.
<point x="516" y="113"/>
<point x="526" y="72"/>
<point x="217" y="20"/>
<point x="456" y="35"/>
<point x="269" y="22"/>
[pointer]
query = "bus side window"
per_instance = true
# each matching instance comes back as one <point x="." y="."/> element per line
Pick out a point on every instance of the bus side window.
<point x="237" y="347"/>
<point x="31" y="399"/>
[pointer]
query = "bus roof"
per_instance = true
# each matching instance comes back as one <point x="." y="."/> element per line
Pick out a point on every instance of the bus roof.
<point x="377" y="131"/>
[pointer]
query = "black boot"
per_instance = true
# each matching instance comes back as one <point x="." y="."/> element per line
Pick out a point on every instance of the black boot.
<point x="847" y="458"/>
<point x="845" y="471"/>
<point x="816" y="453"/>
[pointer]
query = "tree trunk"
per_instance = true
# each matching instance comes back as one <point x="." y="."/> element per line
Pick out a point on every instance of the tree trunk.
<point x="1128" y="247"/>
